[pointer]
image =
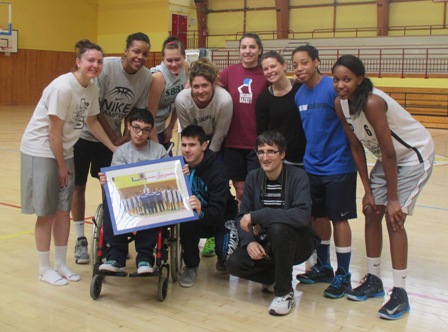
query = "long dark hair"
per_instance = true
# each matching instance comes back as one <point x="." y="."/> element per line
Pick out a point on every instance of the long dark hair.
<point x="361" y="95"/>
<point x="257" y="39"/>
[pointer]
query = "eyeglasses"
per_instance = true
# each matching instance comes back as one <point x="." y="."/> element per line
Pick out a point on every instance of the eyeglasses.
<point x="269" y="153"/>
<point x="137" y="130"/>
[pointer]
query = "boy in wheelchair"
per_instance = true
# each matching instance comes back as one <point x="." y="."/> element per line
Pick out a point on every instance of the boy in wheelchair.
<point x="140" y="148"/>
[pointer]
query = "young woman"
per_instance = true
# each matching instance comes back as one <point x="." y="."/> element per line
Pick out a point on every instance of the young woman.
<point x="123" y="84"/>
<point x="330" y="166"/>
<point x="47" y="157"/>
<point x="245" y="82"/>
<point x="405" y="152"/>
<point x="205" y="104"/>
<point x="169" y="78"/>
<point x="277" y="110"/>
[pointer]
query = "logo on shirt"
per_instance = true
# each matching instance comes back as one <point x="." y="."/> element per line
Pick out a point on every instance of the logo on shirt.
<point x="245" y="91"/>
<point x="117" y="102"/>
<point x="80" y="113"/>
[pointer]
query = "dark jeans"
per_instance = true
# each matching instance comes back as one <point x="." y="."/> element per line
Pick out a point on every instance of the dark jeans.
<point x="144" y="240"/>
<point x="190" y="234"/>
<point x="289" y="247"/>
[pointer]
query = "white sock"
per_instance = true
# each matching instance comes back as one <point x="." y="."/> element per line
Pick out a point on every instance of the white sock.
<point x="44" y="261"/>
<point x="61" y="266"/>
<point x="79" y="228"/>
<point x="400" y="278"/>
<point x="374" y="265"/>
<point x="53" y="278"/>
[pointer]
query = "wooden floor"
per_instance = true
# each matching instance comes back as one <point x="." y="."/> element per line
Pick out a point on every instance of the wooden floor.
<point x="214" y="303"/>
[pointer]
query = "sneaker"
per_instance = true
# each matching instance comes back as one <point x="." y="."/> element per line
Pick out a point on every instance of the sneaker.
<point x="81" y="255"/>
<point x="111" y="266"/>
<point x="371" y="286"/>
<point x="340" y="285"/>
<point x="220" y="267"/>
<point x="209" y="248"/>
<point x="397" y="305"/>
<point x="282" y="305"/>
<point x="319" y="273"/>
<point x="144" y="267"/>
<point x="188" y="277"/>
<point x="267" y="288"/>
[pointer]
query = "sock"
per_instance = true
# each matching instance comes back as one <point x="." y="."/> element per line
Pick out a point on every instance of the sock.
<point x="44" y="261"/>
<point x="79" y="228"/>
<point x="323" y="252"/>
<point x="310" y="262"/>
<point x="374" y="265"/>
<point x="53" y="278"/>
<point x="400" y="278"/>
<point x="343" y="255"/>
<point x="61" y="266"/>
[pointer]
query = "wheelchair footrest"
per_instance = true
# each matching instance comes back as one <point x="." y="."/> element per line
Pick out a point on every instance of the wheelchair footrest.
<point x="135" y="274"/>
<point x="111" y="274"/>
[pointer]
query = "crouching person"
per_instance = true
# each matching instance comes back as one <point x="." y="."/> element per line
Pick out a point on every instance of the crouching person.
<point x="273" y="224"/>
<point x="212" y="200"/>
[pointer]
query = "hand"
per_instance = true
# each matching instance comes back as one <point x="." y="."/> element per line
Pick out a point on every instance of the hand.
<point x="256" y="251"/>
<point x="245" y="222"/>
<point x="63" y="173"/>
<point x="195" y="204"/>
<point x="102" y="177"/>
<point x="186" y="170"/>
<point x="368" y="204"/>
<point x="394" y="215"/>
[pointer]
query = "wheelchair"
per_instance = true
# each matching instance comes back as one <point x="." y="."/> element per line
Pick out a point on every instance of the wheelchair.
<point x="166" y="253"/>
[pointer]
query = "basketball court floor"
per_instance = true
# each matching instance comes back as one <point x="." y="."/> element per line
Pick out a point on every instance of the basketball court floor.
<point x="215" y="303"/>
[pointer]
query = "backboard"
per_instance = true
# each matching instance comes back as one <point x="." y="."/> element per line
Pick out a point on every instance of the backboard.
<point x="5" y="18"/>
<point x="8" y="43"/>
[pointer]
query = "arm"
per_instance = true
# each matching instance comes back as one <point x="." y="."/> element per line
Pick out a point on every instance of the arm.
<point x="359" y="157"/>
<point x="182" y="112"/>
<point x="98" y="131"/>
<point x="168" y="132"/>
<point x="223" y="120"/>
<point x="102" y="119"/>
<point x="55" y="133"/>
<point x="297" y="210"/>
<point x="376" y="115"/>
<point x="155" y="92"/>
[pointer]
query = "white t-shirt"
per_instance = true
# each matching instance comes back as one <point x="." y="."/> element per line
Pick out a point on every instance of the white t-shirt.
<point x="119" y="93"/>
<point x="214" y="119"/>
<point x="67" y="99"/>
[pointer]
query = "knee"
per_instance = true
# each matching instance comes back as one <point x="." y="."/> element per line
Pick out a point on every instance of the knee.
<point x="277" y="232"/>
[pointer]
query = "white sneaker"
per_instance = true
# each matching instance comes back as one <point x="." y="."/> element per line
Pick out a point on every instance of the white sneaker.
<point x="144" y="267"/>
<point x="282" y="305"/>
<point x="111" y="266"/>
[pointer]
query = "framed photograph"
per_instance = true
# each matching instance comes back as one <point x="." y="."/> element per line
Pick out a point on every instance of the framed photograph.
<point x="148" y="194"/>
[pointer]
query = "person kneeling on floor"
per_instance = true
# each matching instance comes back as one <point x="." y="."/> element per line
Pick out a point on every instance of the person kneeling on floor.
<point x="212" y="200"/>
<point x="273" y="224"/>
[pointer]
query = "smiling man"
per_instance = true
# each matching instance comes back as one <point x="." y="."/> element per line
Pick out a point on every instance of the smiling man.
<point x="273" y="224"/>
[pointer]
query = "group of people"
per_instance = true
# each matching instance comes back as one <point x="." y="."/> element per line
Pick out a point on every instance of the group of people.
<point x="291" y="147"/>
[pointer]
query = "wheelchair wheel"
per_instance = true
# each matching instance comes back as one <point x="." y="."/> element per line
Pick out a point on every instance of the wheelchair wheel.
<point x="97" y="252"/>
<point x="175" y="252"/>
<point x="163" y="284"/>
<point x="95" y="286"/>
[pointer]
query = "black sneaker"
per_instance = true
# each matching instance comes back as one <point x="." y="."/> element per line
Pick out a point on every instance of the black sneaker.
<point x="220" y="267"/>
<point x="371" y="286"/>
<point x="340" y="285"/>
<point x="319" y="273"/>
<point x="397" y="305"/>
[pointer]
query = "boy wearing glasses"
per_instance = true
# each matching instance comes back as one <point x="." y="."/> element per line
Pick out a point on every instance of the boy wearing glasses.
<point x="273" y="224"/>
<point x="140" y="148"/>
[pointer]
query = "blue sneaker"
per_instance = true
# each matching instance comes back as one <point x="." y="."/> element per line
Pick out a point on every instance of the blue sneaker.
<point x="371" y="286"/>
<point x="319" y="273"/>
<point x="397" y="305"/>
<point x="340" y="285"/>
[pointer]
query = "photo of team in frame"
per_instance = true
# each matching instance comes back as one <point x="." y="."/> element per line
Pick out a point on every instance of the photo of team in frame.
<point x="148" y="194"/>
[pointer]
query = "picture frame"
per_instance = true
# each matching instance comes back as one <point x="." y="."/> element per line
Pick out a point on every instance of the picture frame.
<point x="148" y="194"/>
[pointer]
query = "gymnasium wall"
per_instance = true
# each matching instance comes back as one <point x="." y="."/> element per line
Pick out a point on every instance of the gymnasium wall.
<point x="48" y="29"/>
